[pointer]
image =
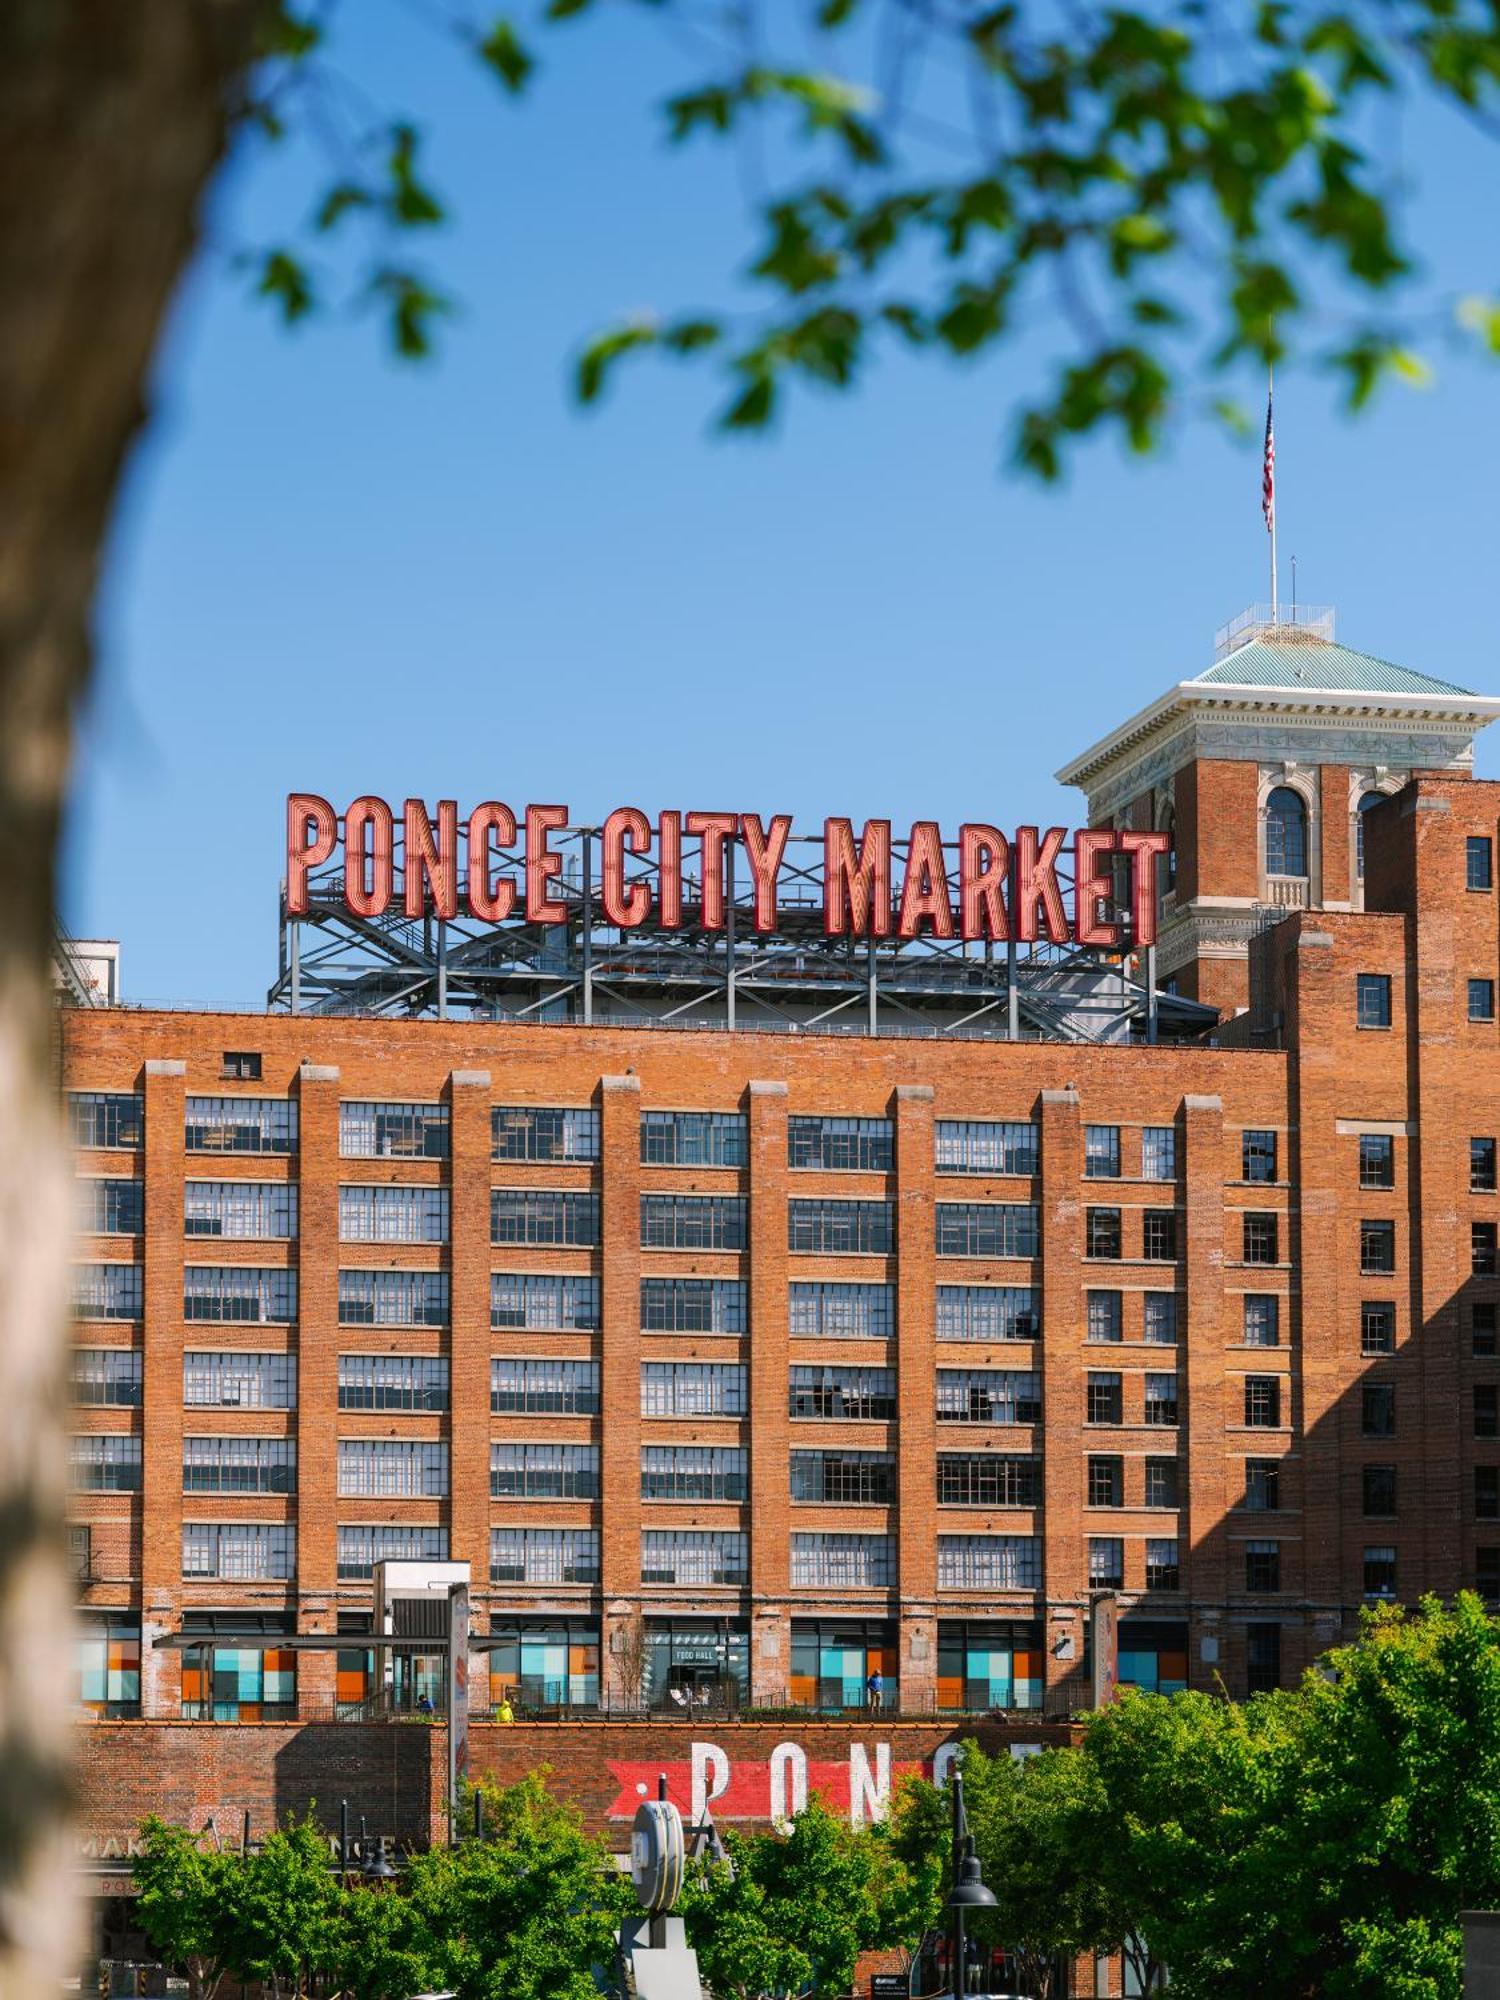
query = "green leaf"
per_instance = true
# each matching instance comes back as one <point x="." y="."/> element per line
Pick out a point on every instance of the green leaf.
<point x="598" y="359"/>
<point x="287" y="36"/>
<point x="503" y="51"/>
<point x="753" y="409"/>
<point x="413" y="306"/>
<point x="284" y="280"/>
<point x="410" y="204"/>
<point x="689" y="336"/>
<point x="341" y="200"/>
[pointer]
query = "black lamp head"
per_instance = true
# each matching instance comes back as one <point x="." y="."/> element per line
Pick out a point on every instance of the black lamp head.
<point x="377" y="1868"/>
<point x="969" y="1892"/>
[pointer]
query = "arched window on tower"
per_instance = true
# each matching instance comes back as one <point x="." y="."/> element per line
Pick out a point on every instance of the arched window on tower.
<point x="1166" y="864"/>
<point x="1286" y="833"/>
<point x="1367" y="799"/>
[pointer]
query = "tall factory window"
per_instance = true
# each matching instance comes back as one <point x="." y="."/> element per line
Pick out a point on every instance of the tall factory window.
<point x="694" y="1139"/>
<point x="544" y="1555"/>
<point x="1481" y="1166"/>
<point x="1263" y="1485"/>
<point x="695" y="1472"/>
<point x="1159" y="1319"/>
<point x="239" y="1465"/>
<point x="113" y="1207"/>
<point x="1104" y="1398"/>
<point x="414" y="1382"/>
<point x="361" y="1546"/>
<point x="969" y="1146"/>
<point x="1159" y="1234"/>
<point x="240" y="1124"/>
<point x="239" y="1551"/>
<point x="1161" y="1482"/>
<point x="1263" y="1402"/>
<point x="1260" y="1239"/>
<point x="243" y="1211"/>
<point x="847" y="1562"/>
<point x="1482" y="1249"/>
<point x="840" y="1228"/>
<point x="693" y="1305"/>
<point x="104" y="1462"/>
<point x="1481" y="999"/>
<point x="1487" y="1492"/>
<point x="1258" y="1156"/>
<point x="844" y="1478"/>
<point x="526" y="1386"/>
<point x="107" y="1291"/>
<point x="988" y="1479"/>
<point x="1380" y="1572"/>
<point x="1482" y="1333"/>
<point x="1378" y="1409"/>
<point x="987" y="1312"/>
<point x="704" y="1556"/>
<point x="1158" y="1153"/>
<point x="1262" y="1566"/>
<point x="1262" y="1320"/>
<point x="544" y="1215"/>
<point x="109" y="1376"/>
<point x="1162" y="1572"/>
<point x="989" y="1396"/>
<point x="1101" y="1152"/>
<point x="1479" y="863"/>
<point x="848" y="1312"/>
<point x="239" y="1381"/>
<point x="1377" y="1327"/>
<point x="1372" y="997"/>
<point x="1161" y="1399"/>
<point x="543" y="1133"/>
<point x="547" y="1300"/>
<point x="393" y="1298"/>
<point x="1106" y="1562"/>
<point x="1286" y="833"/>
<point x="107" y="1120"/>
<point x="1378" y="1489"/>
<point x="393" y="1214"/>
<point x="1377" y="1160"/>
<point x="378" y="1131"/>
<point x="693" y="1389"/>
<point x="1103" y="1315"/>
<point x="1377" y="1248"/>
<point x="988" y="1562"/>
<point x="693" y="1221"/>
<point x="1106" y="1481"/>
<point x="843" y="1394"/>
<point x="840" y="1145"/>
<point x="986" y="1229"/>
<point x="544" y="1472"/>
<point x="392" y="1468"/>
<point x="1486" y="1410"/>
<point x="1101" y="1233"/>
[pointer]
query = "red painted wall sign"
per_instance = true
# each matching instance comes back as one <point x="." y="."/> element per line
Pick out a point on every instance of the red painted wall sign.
<point x="497" y="864"/>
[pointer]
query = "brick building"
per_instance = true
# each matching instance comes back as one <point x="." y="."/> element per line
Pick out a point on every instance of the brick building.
<point x="739" y="1367"/>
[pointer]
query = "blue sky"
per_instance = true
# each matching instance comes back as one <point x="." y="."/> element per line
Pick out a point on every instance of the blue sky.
<point x="336" y="574"/>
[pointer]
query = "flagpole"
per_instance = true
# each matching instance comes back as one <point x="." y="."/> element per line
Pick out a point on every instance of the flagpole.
<point x="1270" y="398"/>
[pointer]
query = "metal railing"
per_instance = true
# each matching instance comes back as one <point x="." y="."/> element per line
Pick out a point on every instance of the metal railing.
<point x="1274" y="622"/>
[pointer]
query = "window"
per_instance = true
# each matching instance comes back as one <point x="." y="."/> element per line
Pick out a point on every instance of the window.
<point x="965" y="1146"/>
<point x="107" y="1376"/>
<point x="847" y="1312"/>
<point x="1481" y="999"/>
<point x="1487" y="1492"/>
<point x="393" y="1131"/>
<point x="1263" y="1485"/>
<point x="239" y="1551"/>
<point x="249" y="1294"/>
<point x="1101" y="1236"/>
<point x="1372" y="999"/>
<point x="986" y="1229"/>
<point x="240" y="1124"/>
<point x="1106" y="1482"/>
<point x="1367" y="801"/>
<point x="1104" y="1400"/>
<point x="361" y="1547"/>
<point x="544" y="1215"/>
<point x="527" y="1386"/>
<point x="545" y="1300"/>
<point x="239" y="1381"/>
<point x="1482" y="1327"/>
<point x="1258" y="1156"/>
<point x="1377" y="1327"/>
<point x="1487" y="1573"/>
<point x="1286" y="833"/>
<point x="107" y="1291"/>
<point x="393" y="1469"/>
<point x="847" y="1562"/>
<point x="1158" y="1153"/>
<point x="1261" y="1325"/>
<point x="1377" y="1160"/>
<point x="864" y="1394"/>
<point x="695" y="1556"/>
<point x="108" y="1654"/>
<point x="544" y="1472"/>
<point x="104" y="1462"/>
<point x="415" y="1382"/>
<point x="1479" y="870"/>
<point x="1377" y="1248"/>
<point x="1161" y="1482"/>
<point x="844" y="1478"/>
<point x="1161" y="1399"/>
<point x="1162" y="1572"/>
<point x="544" y="1555"/>
<point x="988" y="1479"/>
<point x="1481" y="1166"/>
<point x="989" y="1562"/>
<point x="840" y="1145"/>
<point x="240" y="1211"/>
<point x="115" y="1207"/>
<point x="1482" y="1249"/>
<point x="239" y="1465"/>
<point x="393" y="1214"/>
<point x="1378" y="1489"/>
<point x="987" y="1312"/>
<point x="1486" y="1410"/>
<point x="1103" y="1315"/>
<point x="693" y="1139"/>
<point x="107" y="1121"/>
<point x="1262" y="1566"/>
<point x="1106" y="1562"/>
<point x="1263" y="1401"/>
<point x="240" y="1066"/>
<point x="1101" y="1152"/>
<point x="695" y="1472"/>
<point x="393" y="1298"/>
<point x="839" y="1228"/>
<point x="1380" y="1572"/>
<point x="238" y="1667"/>
<point x="1159" y="1319"/>
<point x="1262" y="1658"/>
<point x="1159" y="1235"/>
<point x="1378" y="1409"/>
<point x="988" y="1396"/>
<point x="692" y="1389"/>
<point x="547" y="1133"/>
<point x="693" y="1305"/>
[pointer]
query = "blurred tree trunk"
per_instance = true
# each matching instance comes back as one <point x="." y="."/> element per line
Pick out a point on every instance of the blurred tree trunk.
<point x="113" y="117"/>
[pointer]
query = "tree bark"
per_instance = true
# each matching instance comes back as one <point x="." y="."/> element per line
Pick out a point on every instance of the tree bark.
<point x="113" y="117"/>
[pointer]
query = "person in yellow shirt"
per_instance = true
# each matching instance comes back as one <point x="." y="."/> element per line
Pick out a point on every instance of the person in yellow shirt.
<point x="505" y="1713"/>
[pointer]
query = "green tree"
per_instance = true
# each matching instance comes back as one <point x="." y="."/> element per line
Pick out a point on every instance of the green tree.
<point x="285" y="1910"/>
<point x="744" y="1944"/>
<point x="185" y="1902"/>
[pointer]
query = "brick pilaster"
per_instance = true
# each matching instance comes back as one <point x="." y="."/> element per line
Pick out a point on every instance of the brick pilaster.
<point x="916" y="1393"/>
<point x="1203" y="1472"/>
<point x="161" y="1411"/>
<point x="1065" y="1560"/>
<point x="317" y="1370"/>
<point x="469" y="1336"/>
<point x="620" y="1365"/>
<point x="770" y="1464"/>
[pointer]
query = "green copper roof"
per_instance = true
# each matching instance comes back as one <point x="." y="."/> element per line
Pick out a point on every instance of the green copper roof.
<point x="1318" y="664"/>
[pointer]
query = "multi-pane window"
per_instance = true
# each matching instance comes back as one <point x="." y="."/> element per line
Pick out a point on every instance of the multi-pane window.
<point x="1101" y="1152"/>
<point x="1286" y="832"/>
<point x="1158" y="1153"/>
<point x="1372" y="999"/>
<point x="544" y="1472"/>
<point x="1104" y="1398"/>
<point x="1481" y="999"/>
<point x="1380" y="1572"/>
<point x="1161" y="1399"/>
<point x="1487" y="1492"/>
<point x="393" y="1214"/>
<point x="854" y="1145"/>
<point x="239" y="1465"/>
<point x="239" y="1551"/>
<point x="543" y="1132"/>
<point x="695" y="1472"/>
<point x="1260" y="1239"/>
<point x="243" y="1211"/>
<point x="1481" y="1166"/>
<point x="220" y="1381"/>
<point x="987" y="1312"/>
<point x="860" y="1394"/>
<point x="393" y="1382"/>
<point x="1377" y="1160"/>
<point x="546" y="1300"/>
<point x="1486" y="1407"/>
<point x="986" y="1229"/>
<point x="248" y="1293"/>
<point x="109" y="1376"/>
<point x="839" y="1228"/>
<point x="104" y="1462"/>
<point x="1261" y="1320"/>
<point x="544" y="1555"/>
<point x="694" y="1305"/>
<point x="107" y="1120"/>
<point x="1377" y="1248"/>
<point x="1263" y="1485"/>
<point x="1378" y="1489"/>
<point x="108" y="1651"/>
<point x="989" y="1562"/>
<point x="693" y="1221"/>
<point x="1482" y="1249"/>
<point x="107" y="1291"/>
<point x="534" y="1386"/>
<point x="1162" y="1482"/>
<point x="1377" y="1327"/>
<point x="1162" y="1570"/>
<point x="393" y="1131"/>
<point x="1159" y="1319"/>
<point x="988" y="1479"/>
<point x="360" y="1547"/>
<point x="1103" y="1311"/>
<point x="695" y="1556"/>
<point x="1479" y="862"/>
<point x="968" y="1146"/>
<point x="1483" y="1336"/>
<point x="393" y="1298"/>
<point x="1263" y="1401"/>
<point x="1377" y="1409"/>
<point x="1106" y="1481"/>
<point x="845" y="1562"/>
<point x="393" y="1468"/>
<point x="844" y="1478"/>
<point x="113" y="1207"/>
<point x="845" y="1312"/>
<point x="1262" y="1566"/>
<point x="1101" y="1233"/>
<point x="240" y="1124"/>
<point x="240" y="1066"/>
<point x="544" y="1215"/>
<point x="1106" y="1562"/>
<point x="1258" y="1156"/>
<point x="693" y="1389"/>
<point x="1159" y="1234"/>
<point x="989" y="1396"/>
<point x="694" y="1139"/>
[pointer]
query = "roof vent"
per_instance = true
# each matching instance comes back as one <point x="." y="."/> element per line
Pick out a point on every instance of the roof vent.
<point x="1279" y="625"/>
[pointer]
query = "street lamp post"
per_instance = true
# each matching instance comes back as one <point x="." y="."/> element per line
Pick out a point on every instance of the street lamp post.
<point x="968" y="1892"/>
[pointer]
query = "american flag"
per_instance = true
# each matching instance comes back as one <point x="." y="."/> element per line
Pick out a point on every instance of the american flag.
<point x="1268" y="475"/>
